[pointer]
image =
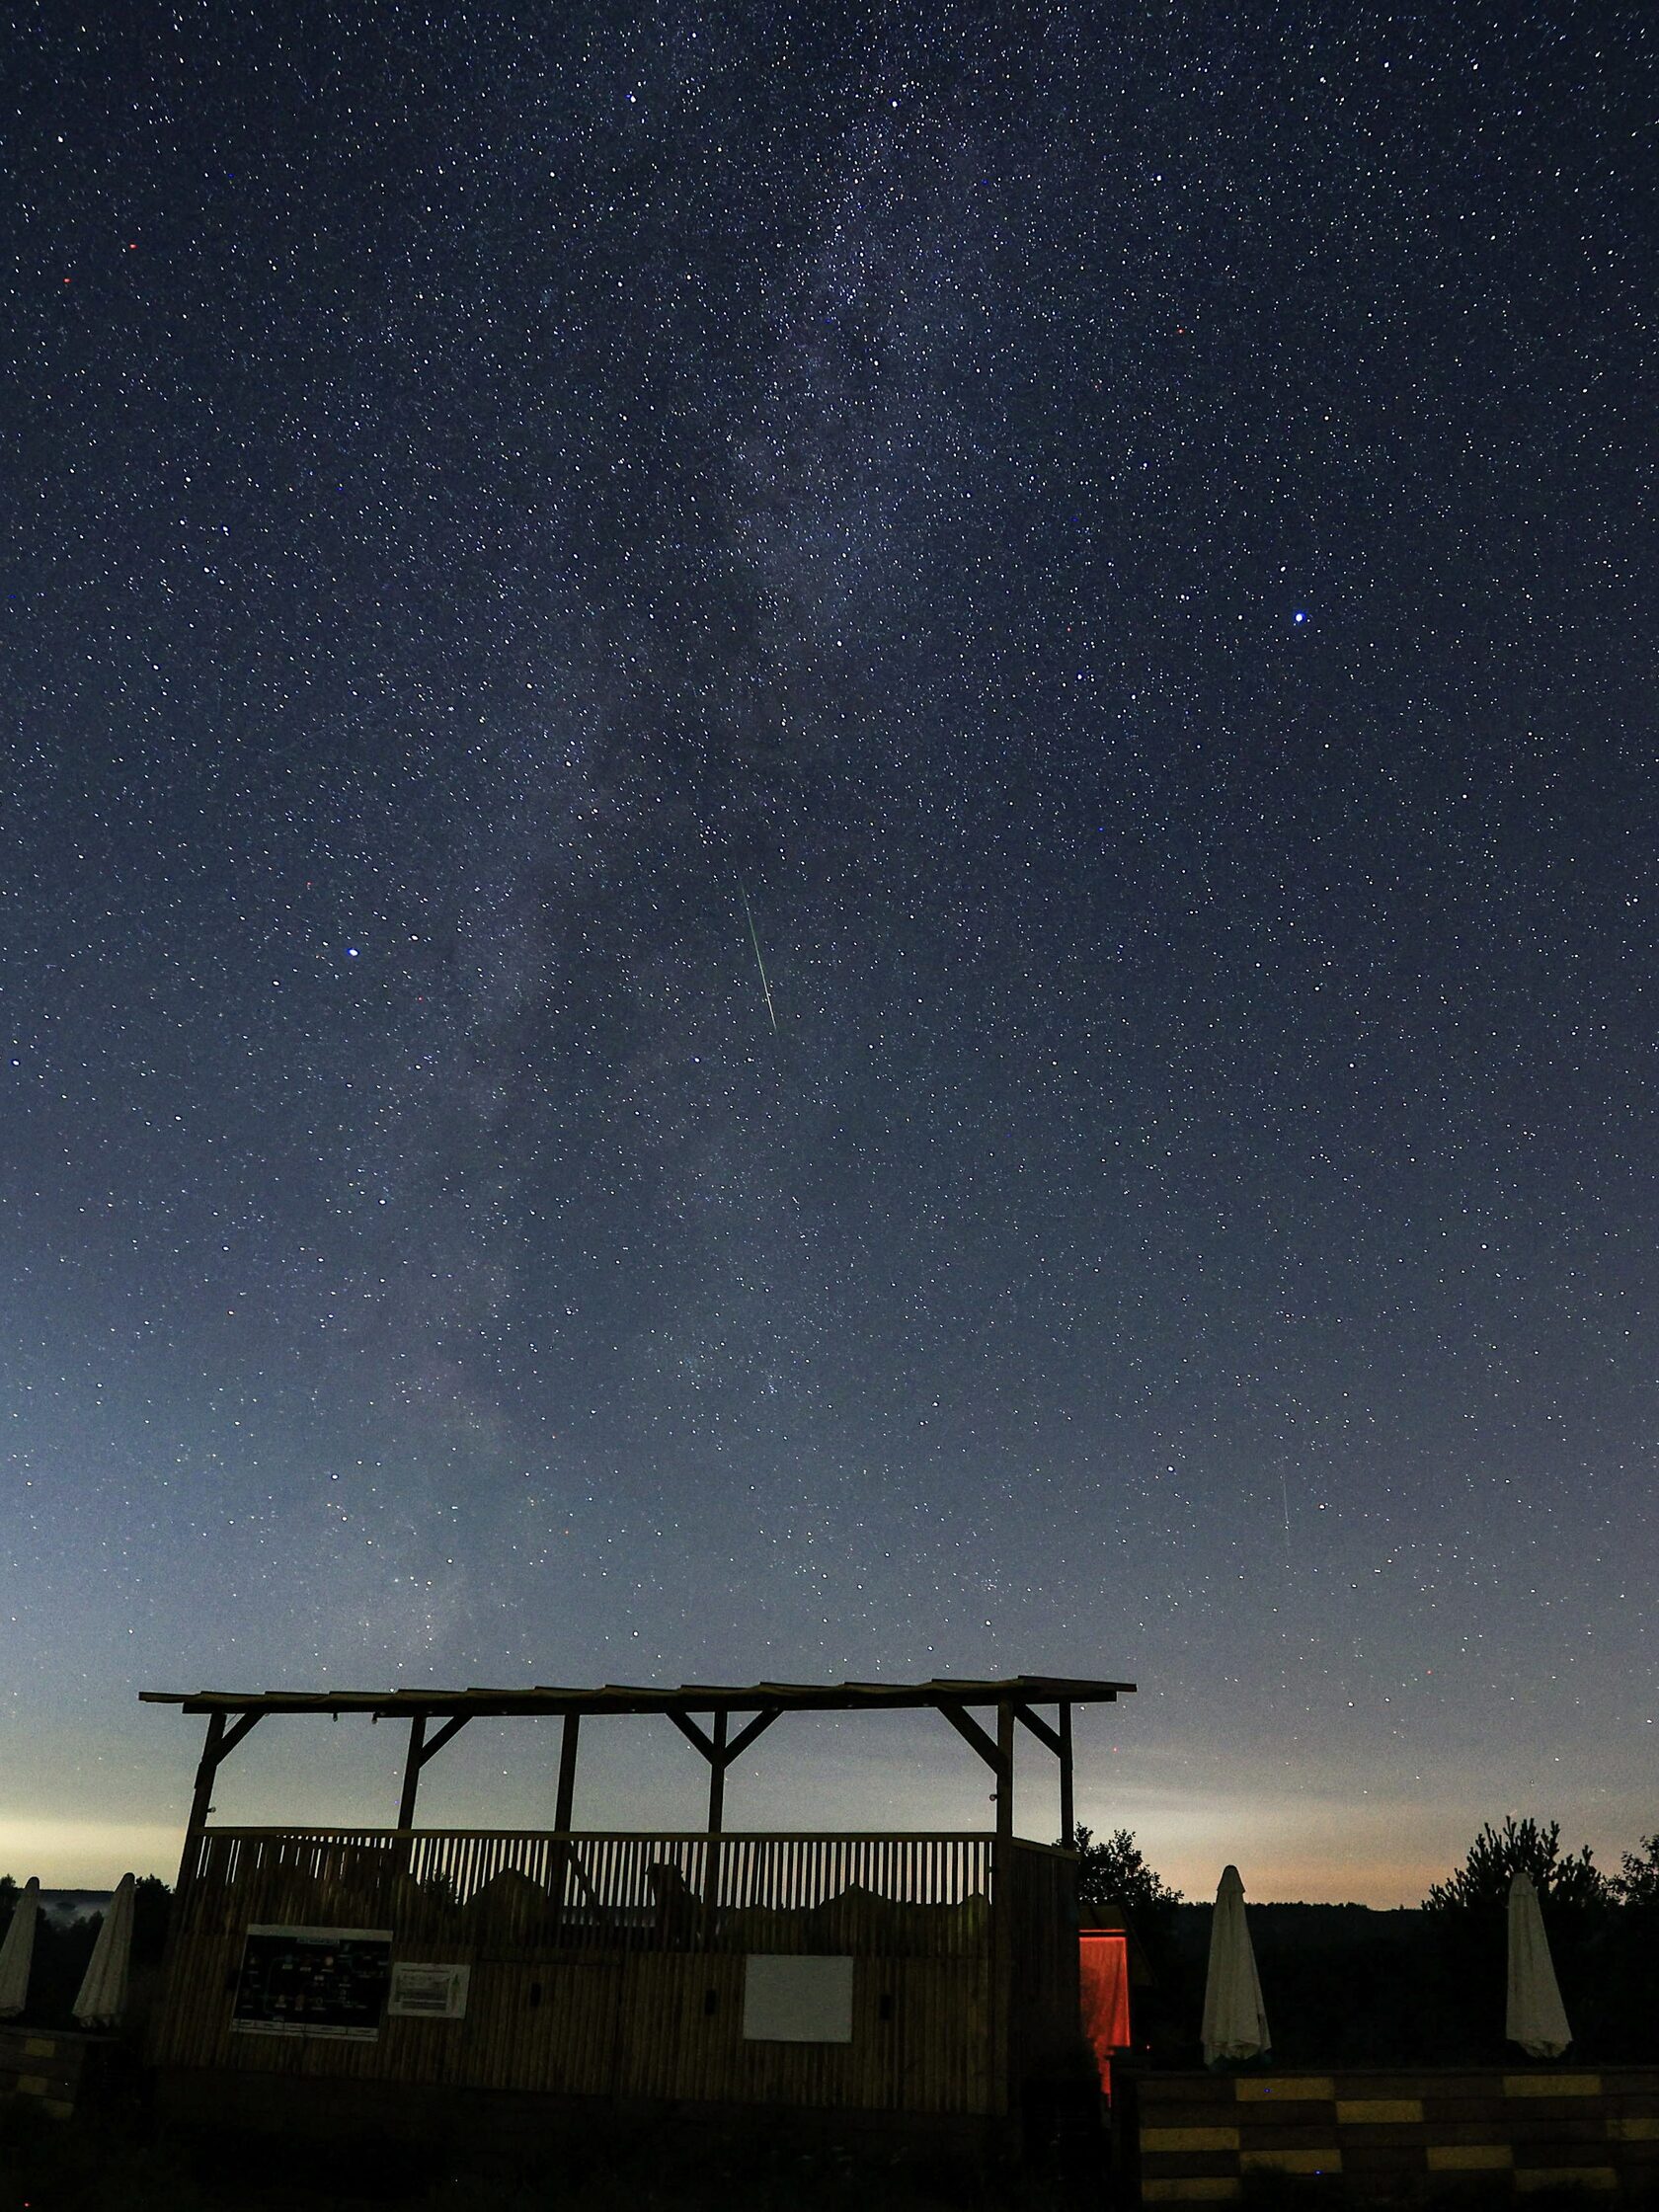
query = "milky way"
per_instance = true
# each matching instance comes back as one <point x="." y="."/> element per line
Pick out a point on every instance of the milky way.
<point x="1113" y="564"/>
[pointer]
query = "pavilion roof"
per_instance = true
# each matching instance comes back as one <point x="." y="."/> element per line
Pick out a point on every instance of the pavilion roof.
<point x="686" y="1698"/>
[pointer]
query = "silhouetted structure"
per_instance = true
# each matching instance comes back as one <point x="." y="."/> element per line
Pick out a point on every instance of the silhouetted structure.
<point x="413" y="1978"/>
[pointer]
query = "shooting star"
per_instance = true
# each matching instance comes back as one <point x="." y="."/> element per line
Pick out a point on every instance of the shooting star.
<point x="765" y="987"/>
<point x="1285" y="1493"/>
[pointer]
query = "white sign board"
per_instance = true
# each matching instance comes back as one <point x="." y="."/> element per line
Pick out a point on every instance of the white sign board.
<point x="790" y="2000"/>
<point x="428" y="1993"/>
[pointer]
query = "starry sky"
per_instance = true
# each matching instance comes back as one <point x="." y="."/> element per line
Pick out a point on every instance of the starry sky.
<point x="827" y="851"/>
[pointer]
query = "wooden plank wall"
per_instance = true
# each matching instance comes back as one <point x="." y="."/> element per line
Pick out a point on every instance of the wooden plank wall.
<point x="648" y="2025"/>
<point x="1198" y="2137"/>
<point x="1045" y="2033"/>
<point x="584" y="1983"/>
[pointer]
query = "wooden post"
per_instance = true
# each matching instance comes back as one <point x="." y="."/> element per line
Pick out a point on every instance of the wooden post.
<point x="412" y="1770"/>
<point x="719" y="1749"/>
<point x="565" y="1861"/>
<point x="566" y="1774"/>
<point x="222" y="1741"/>
<point x="717" y="1776"/>
<point x="1005" y="1772"/>
<point x="421" y="1747"/>
<point x="1002" y="1926"/>
<point x="202" y="1803"/>
<point x="716" y="1815"/>
<point x="1067" y="1802"/>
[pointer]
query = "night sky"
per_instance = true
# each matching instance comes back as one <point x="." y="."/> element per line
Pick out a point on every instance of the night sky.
<point x="829" y="851"/>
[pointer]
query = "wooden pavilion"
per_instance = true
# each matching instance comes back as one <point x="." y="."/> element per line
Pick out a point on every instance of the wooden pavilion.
<point x="432" y="1980"/>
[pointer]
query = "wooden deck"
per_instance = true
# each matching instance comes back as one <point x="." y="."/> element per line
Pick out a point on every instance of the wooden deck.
<point x="613" y="1966"/>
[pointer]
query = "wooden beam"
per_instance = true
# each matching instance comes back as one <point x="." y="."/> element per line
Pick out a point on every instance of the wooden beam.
<point x="423" y="1747"/>
<point x="719" y="1753"/>
<point x="1059" y="1740"/>
<point x="201" y="1803"/>
<point x="969" y="1728"/>
<point x="565" y="1862"/>
<point x="234" y="1734"/>
<point x="746" y="1735"/>
<point x="1003" y="2055"/>
<point x="1039" y="1728"/>
<point x="1005" y="1774"/>
<point x="222" y="1741"/>
<point x="615" y="1697"/>
<point x="411" y="1771"/>
<point x="566" y="1774"/>
<point x="718" y="1757"/>
<point x="451" y="1730"/>
<point x="715" y="1748"/>
<point x="1067" y="1800"/>
<point x="224" y="1736"/>
<point x="693" y="1735"/>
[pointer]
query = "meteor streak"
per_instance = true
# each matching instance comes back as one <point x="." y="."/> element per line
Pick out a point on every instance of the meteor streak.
<point x="765" y="987"/>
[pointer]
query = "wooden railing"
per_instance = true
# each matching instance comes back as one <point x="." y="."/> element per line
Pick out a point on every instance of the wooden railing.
<point x="882" y="1896"/>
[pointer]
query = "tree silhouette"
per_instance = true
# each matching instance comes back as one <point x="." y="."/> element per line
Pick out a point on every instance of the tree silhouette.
<point x="1114" y="1871"/>
<point x="1638" y="1884"/>
<point x="1498" y="1855"/>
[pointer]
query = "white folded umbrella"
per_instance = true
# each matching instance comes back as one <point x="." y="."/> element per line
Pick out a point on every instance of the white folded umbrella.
<point x="1234" y="2019"/>
<point x="1534" y="2018"/>
<point x="102" y="1997"/>
<point x="17" y="1952"/>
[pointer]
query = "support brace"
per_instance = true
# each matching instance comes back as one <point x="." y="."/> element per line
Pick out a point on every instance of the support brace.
<point x="1039" y="1728"/>
<point x="421" y="1749"/>
<point x="719" y="1753"/>
<point x="1059" y="1740"/>
<point x="221" y="1742"/>
<point x="969" y="1728"/>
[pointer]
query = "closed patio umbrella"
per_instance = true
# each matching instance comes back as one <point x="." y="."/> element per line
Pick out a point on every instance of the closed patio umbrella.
<point x="18" y="1950"/>
<point x="102" y="1997"/>
<point x="1234" y="2019"/>
<point x="1534" y="2018"/>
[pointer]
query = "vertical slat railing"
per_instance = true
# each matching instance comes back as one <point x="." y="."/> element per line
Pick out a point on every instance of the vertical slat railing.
<point x="923" y="1893"/>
